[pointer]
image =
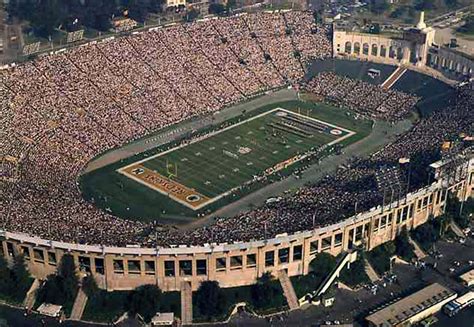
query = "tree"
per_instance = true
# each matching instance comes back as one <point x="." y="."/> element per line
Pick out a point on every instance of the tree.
<point x="403" y="246"/>
<point x="323" y="264"/>
<point x="20" y="276"/>
<point x="89" y="285"/>
<point x="217" y="9"/>
<point x="209" y="299"/>
<point x="145" y="301"/>
<point x="191" y="15"/>
<point x="6" y="281"/>
<point x="62" y="288"/>
<point x="263" y="291"/>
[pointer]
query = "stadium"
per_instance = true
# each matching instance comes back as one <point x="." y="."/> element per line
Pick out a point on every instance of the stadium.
<point x="128" y="152"/>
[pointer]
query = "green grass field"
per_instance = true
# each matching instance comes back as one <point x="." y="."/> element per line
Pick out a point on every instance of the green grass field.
<point x="222" y="160"/>
<point x="231" y="156"/>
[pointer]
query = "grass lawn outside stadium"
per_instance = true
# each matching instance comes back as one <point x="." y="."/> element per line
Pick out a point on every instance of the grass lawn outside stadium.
<point x="177" y="182"/>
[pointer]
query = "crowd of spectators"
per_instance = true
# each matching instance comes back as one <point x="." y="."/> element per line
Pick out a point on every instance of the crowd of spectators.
<point x="59" y="111"/>
<point x="362" y="97"/>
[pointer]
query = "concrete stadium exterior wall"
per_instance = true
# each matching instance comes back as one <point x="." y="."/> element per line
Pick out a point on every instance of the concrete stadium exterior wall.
<point x="124" y="268"/>
<point x="409" y="48"/>
<point x="452" y="61"/>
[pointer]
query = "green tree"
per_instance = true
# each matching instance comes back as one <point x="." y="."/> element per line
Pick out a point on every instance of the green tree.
<point x="209" y="299"/>
<point x="145" y="301"/>
<point x="263" y="291"/>
<point x="20" y="276"/>
<point x="322" y="265"/>
<point x="403" y="246"/>
<point x="62" y="288"/>
<point x="89" y="285"/>
<point x="6" y="281"/>
<point x="191" y="15"/>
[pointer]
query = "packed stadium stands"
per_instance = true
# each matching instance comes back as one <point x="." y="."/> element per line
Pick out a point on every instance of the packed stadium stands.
<point x="61" y="110"/>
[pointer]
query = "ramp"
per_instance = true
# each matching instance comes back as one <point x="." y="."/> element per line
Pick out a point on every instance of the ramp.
<point x="370" y="271"/>
<point x="420" y="254"/>
<point x="186" y="303"/>
<point x="347" y="258"/>
<point x="79" y="305"/>
<point x="288" y="290"/>
<point x="456" y="229"/>
<point x="30" y="297"/>
<point x="392" y="79"/>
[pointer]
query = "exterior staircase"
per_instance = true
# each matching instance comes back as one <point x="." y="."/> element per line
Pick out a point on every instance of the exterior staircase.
<point x="79" y="305"/>
<point x="30" y="297"/>
<point x="420" y="254"/>
<point x="288" y="290"/>
<point x="186" y="303"/>
<point x="369" y="270"/>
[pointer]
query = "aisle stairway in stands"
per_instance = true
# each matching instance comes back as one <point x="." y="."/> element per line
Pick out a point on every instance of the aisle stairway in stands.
<point x="288" y="290"/>
<point x="186" y="303"/>
<point x="392" y="79"/>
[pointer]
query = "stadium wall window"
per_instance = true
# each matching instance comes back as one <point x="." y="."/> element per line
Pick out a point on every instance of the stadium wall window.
<point x="338" y="239"/>
<point x="185" y="268"/>
<point x="133" y="267"/>
<point x="410" y="211"/>
<point x="314" y="247"/>
<point x="251" y="260"/>
<point x="85" y="263"/>
<point x="269" y="259"/>
<point x="383" y="51"/>
<point x="38" y="255"/>
<point x="365" y="49"/>
<point x="25" y="251"/>
<point x="10" y="249"/>
<point x="358" y="235"/>
<point x="399" y="216"/>
<point x="201" y="267"/>
<point x="357" y="48"/>
<point x="326" y="243"/>
<point x="52" y="258"/>
<point x="236" y="262"/>
<point x="348" y="48"/>
<point x="150" y="267"/>
<point x="376" y="224"/>
<point x="221" y="264"/>
<point x="284" y="255"/>
<point x="374" y="49"/>
<point x="99" y="265"/>
<point x="390" y="219"/>
<point x="437" y="197"/>
<point x="118" y="266"/>
<point x="170" y="269"/>
<point x="297" y="252"/>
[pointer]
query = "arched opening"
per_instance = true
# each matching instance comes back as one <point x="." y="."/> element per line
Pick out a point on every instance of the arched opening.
<point x="357" y="48"/>
<point x="383" y="51"/>
<point x="391" y="52"/>
<point x="399" y="53"/>
<point x="365" y="49"/>
<point x="348" y="47"/>
<point x="374" y="49"/>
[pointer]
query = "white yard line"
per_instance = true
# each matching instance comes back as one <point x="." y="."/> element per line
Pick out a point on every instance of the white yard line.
<point x="220" y="196"/>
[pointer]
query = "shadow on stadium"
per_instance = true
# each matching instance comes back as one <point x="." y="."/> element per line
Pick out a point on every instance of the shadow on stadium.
<point x="435" y="94"/>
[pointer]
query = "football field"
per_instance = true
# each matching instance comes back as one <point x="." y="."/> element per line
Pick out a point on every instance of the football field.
<point x="209" y="166"/>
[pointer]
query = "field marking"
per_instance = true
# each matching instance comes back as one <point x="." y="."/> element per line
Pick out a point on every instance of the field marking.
<point x="293" y="160"/>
